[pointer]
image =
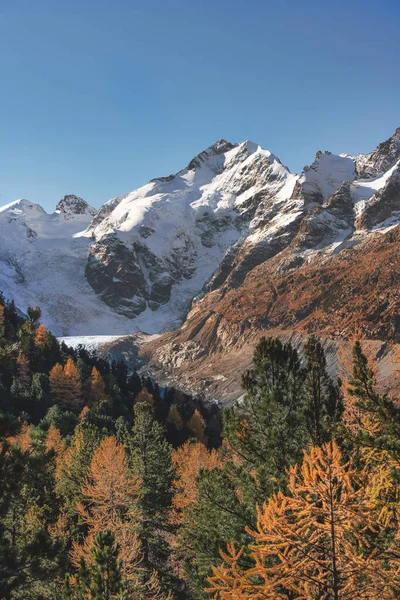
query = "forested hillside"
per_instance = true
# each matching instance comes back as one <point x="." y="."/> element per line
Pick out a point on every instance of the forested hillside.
<point x="114" y="489"/>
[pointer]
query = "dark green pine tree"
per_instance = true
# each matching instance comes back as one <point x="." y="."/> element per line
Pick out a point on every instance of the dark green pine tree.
<point x="217" y="518"/>
<point x="267" y="432"/>
<point x="363" y="387"/>
<point x="324" y="400"/>
<point x="30" y="559"/>
<point x="150" y="459"/>
<point x="266" y="428"/>
<point x="101" y="579"/>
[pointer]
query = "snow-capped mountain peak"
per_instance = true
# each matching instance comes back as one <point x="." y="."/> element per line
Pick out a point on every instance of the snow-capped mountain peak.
<point x="72" y="205"/>
<point x="156" y="247"/>
<point x="20" y="207"/>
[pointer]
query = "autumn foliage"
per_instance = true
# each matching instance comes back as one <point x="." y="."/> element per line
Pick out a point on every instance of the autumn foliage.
<point x="109" y="503"/>
<point x="66" y="385"/>
<point x="41" y="335"/>
<point x="106" y="479"/>
<point x="188" y="460"/>
<point x="310" y="541"/>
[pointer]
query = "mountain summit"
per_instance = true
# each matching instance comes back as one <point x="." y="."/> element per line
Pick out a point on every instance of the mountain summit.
<point x="74" y="205"/>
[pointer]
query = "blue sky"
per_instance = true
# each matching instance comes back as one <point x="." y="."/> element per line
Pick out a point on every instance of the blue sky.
<point x="99" y="96"/>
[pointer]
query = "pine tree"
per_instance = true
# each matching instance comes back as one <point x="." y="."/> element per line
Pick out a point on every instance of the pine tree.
<point x="150" y="459"/>
<point x="324" y="402"/>
<point x="101" y="579"/>
<point x="34" y="314"/>
<point x="2" y="322"/>
<point x="263" y="434"/>
<point x="269" y="417"/>
<point x="373" y="429"/>
<point x="218" y="516"/>
<point x="72" y="469"/>
<point x="30" y="557"/>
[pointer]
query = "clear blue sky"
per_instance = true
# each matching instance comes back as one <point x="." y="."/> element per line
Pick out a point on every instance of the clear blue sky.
<point x="99" y="96"/>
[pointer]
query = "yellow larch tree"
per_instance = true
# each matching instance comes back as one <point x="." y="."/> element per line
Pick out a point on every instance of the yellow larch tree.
<point x="174" y="417"/>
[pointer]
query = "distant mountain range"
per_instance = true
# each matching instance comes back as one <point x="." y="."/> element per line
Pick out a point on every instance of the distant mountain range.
<point x="231" y="245"/>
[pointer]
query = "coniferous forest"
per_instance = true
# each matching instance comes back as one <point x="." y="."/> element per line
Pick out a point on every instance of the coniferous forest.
<point x="112" y="488"/>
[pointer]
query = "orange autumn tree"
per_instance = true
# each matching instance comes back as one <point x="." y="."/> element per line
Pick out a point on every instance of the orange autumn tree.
<point x="188" y="460"/>
<point x="197" y="425"/>
<point x="110" y="497"/>
<point x="308" y="544"/>
<point x="24" y="370"/>
<point x="23" y="438"/>
<point x="65" y="385"/>
<point x="97" y="388"/>
<point x="54" y="442"/>
<point x="110" y="502"/>
<point x="40" y="336"/>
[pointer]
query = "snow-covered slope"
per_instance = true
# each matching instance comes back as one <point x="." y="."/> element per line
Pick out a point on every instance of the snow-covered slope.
<point x="42" y="262"/>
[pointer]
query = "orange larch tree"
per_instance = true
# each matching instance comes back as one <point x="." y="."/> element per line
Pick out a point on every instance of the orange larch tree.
<point x="188" y="460"/>
<point x="309" y="543"/>
<point x="65" y="385"/>
<point x="110" y="496"/>
<point x="24" y="371"/>
<point x="57" y="383"/>
<point x="97" y="388"/>
<point x="55" y="442"/>
<point x="40" y="336"/>
<point x="197" y="425"/>
<point x="110" y="502"/>
<point x="73" y="397"/>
